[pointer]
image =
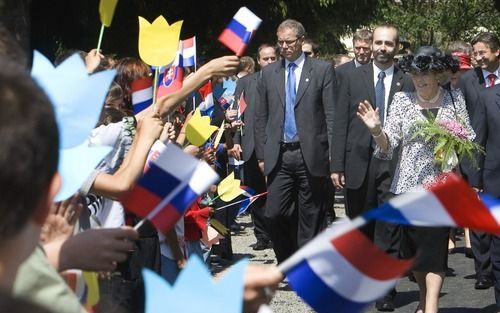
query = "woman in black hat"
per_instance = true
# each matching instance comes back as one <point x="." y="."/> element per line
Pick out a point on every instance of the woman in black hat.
<point x="416" y="164"/>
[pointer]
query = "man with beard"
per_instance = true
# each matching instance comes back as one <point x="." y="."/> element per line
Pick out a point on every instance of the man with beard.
<point x="367" y="179"/>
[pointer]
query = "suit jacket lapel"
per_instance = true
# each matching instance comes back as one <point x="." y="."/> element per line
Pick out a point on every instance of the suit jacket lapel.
<point x="370" y="84"/>
<point x="280" y="81"/>
<point x="396" y="84"/>
<point x="305" y="78"/>
<point x="480" y="77"/>
<point x="497" y="98"/>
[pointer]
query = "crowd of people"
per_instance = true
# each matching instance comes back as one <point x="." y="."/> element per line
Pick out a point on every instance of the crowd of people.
<point x="311" y="127"/>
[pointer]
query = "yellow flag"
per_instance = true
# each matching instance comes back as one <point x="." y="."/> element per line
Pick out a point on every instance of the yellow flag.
<point x="219" y="134"/>
<point x="158" y="42"/>
<point x="199" y="129"/>
<point x="107" y="10"/>
<point x="229" y="188"/>
<point x="92" y="283"/>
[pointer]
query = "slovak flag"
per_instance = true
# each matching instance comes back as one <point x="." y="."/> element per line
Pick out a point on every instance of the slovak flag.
<point x="332" y="274"/>
<point x="242" y="105"/>
<point x="172" y="77"/>
<point x="240" y="30"/>
<point x="168" y="188"/>
<point x="189" y="51"/>
<point x="207" y="104"/>
<point x="142" y="94"/>
<point x="448" y="202"/>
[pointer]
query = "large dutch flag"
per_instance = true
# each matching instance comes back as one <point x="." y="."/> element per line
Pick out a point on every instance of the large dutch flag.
<point x="142" y="94"/>
<point x="332" y="274"/>
<point x="168" y="188"/>
<point x="449" y="202"/>
<point x="240" y="30"/>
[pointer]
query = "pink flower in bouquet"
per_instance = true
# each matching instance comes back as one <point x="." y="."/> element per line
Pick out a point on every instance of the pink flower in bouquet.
<point x="455" y="128"/>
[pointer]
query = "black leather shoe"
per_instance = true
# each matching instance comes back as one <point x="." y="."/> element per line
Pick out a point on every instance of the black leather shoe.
<point x="261" y="245"/>
<point x="483" y="283"/>
<point x="468" y="253"/>
<point x="385" y="304"/>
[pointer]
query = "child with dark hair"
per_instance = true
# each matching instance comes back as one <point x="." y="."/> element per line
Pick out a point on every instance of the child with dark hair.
<point x="29" y="143"/>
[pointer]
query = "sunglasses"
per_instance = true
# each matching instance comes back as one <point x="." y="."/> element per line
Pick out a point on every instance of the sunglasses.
<point x="308" y="53"/>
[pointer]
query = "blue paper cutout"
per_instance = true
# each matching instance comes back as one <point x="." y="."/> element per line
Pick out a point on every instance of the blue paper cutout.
<point x="77" y="97"/>
<point x="195" y="290"/>
<point x="75" y="165"/>
<point x="78" y="101"/>
<point x="229" y="85"/>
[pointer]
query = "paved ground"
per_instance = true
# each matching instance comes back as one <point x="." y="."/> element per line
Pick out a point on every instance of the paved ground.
<point x="458" y="294"/>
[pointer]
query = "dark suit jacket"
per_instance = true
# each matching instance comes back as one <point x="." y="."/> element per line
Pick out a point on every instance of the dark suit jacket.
<point x="471" y="83"/>
<point x="486" y="124"/>
<point x="351" y="139"/>
<point x="248" y="85"/>
<point x="342" y="70"/>
<point x="313" y="114"/>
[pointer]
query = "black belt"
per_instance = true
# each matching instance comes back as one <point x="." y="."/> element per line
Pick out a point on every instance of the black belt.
<point x="290" y="145"/>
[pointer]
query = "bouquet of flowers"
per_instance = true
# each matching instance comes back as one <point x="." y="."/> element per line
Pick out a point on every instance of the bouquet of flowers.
<point x="451" y="140"/>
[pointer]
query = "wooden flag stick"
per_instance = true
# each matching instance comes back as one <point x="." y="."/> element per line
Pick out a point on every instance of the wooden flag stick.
<point x="99" y="42"/>
<point x="155" y="86"/>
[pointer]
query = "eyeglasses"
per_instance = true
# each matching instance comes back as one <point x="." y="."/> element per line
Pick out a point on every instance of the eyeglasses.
<point x="288" y="42"/>
<point x="269" y="59"/>
<point x="308" y="53"/>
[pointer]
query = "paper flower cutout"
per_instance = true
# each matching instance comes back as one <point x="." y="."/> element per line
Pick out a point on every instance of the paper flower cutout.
<point x="229" y="188"/>
<point x="195" y="290"/>
<point x="78" y="100"/>
<point x="199" y="129"/>
<point x="77" y="97"/>
<point x="75" y="165"/>
<point x="107" y="10"/>
<point x="158" y="42"/>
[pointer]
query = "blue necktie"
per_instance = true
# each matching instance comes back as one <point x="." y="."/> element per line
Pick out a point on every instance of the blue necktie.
<point x="380" y="96"/>
<point x="290" y="127"/>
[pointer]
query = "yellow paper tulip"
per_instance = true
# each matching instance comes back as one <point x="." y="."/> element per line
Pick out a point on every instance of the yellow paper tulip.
<point x="106" y="11"/>
<point x="158" y="42"/>
<point x="229" y="188"/>
<point x="199" y="129"/>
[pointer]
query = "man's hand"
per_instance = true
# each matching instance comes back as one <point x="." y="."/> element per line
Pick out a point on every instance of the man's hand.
<point x="97" y="249"/>
<point x="338" y="179"/>
<point x="261" y="165"/>
<point x="260" y="283"/>
<point x="235" y="152"/>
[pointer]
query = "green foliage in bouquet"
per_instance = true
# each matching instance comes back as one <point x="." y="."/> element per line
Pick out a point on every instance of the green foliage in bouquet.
<point x="451" y="141"/>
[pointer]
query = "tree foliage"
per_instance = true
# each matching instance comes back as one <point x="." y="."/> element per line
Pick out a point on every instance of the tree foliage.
<point x="437" y="22"/>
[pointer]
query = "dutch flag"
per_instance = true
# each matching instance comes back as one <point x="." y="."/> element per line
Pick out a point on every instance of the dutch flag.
<point x="142" y="94"/>
<point x="449" y="202"/>
<point x="189" y="51"/>
<point x="331" y="273"/>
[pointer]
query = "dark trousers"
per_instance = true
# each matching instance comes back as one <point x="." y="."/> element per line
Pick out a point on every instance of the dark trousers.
<point x="495" y="262"/>
<point x="254" y="179"/>
<point x="296" y="203"/>
<point x="374" y="191"/>
<point x="481" y="245"/>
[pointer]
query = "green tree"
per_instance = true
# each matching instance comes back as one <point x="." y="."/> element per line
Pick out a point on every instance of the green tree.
<point x="437" y="22"/>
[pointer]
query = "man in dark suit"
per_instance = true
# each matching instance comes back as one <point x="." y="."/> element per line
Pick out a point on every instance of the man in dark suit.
<point x="362" y="46"/>
<point x="486" y="124"/>
<point x="294" y="119"/>
<point x="244" y="145"/>
<point x="367" y="179"/>
<point x="486" y="51"/>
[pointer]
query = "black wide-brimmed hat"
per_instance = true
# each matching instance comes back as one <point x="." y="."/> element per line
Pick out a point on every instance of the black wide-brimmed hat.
<point x="428" y="59"/>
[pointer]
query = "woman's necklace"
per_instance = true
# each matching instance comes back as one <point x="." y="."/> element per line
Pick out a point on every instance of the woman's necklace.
<point x="430" y="101"/>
